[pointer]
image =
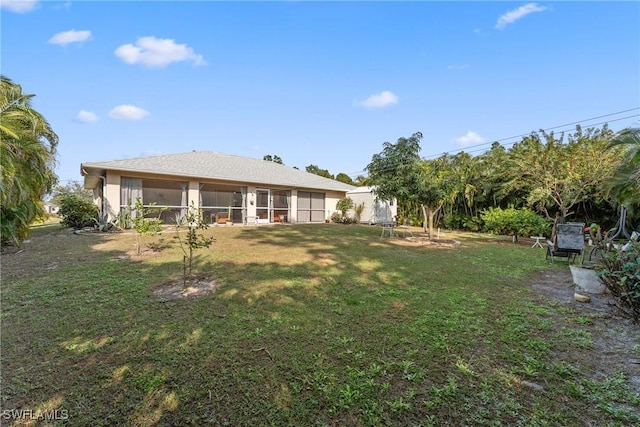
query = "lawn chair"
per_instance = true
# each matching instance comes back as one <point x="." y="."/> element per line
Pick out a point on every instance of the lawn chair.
<point x="568" y="241"/>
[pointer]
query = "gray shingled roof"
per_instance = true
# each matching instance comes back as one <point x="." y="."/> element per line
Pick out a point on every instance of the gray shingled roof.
<point x="227" y="167"/>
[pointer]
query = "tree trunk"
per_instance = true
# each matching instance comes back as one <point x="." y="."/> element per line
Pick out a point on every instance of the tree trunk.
<point x="429" y="214"/>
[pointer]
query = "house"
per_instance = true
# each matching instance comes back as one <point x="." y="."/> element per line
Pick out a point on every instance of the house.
<point x="375" y="211"/>
<point x="226" y="188"/>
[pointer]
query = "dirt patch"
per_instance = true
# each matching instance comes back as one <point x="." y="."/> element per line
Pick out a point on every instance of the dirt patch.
<point x="424" y="241"/>
<point x="616" y="339"/>
<point x="178" y="287"/>
<point x="558" y="285"/>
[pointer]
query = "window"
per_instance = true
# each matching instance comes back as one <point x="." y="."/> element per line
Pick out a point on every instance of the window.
<point x="170" y="196"/>
<point x="221" y="200"/>
<point x="310" y="207"/>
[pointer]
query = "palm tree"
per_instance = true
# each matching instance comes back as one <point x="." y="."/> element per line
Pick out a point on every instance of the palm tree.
<point x="27" y="158"/>
<point x="624" y="184"/>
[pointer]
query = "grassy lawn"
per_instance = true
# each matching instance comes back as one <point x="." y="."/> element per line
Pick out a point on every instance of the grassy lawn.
<point x="311" y="325"/>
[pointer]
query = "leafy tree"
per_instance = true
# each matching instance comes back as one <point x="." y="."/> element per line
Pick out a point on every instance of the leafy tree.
<point x="398" y="171"/>
<point x="28" y="147"/>
<point x="463" y="186"/>
<point x="343" y="177"/>
<point x="624" y="183"/>
<point x="556" y="176"/>
<point x="314" y="169"/>
<point x="344" y="205"/>
<point x="360" y="181"/>
<point x="72" y="188"/>
<point x="438" y="183"/>
<point x="193" y="222"/>
<point x="274" y="158"/>
<point x="492" y="176"/>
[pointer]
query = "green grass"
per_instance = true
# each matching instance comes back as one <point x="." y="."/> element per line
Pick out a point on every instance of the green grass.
<point x="311" y="325"/>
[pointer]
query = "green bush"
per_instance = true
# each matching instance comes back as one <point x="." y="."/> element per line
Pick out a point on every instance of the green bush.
<point x="620" y="272"/>
<point x="338" y="218"/>
<point x="514" y="222"/>
<point x="461" y="222"/>
<point x="77" y="212"/>
<point x="344" y="205"/>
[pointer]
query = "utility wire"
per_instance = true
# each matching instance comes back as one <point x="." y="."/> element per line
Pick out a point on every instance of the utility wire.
<point x="483" y="146"/>
<point x="546" y="130"/>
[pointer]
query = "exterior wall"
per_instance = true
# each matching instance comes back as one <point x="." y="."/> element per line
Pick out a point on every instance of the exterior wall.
<point x="111" y="194"/>
<point x="193" y="196"/>
<point x="251" y="204"/>
<point x="294" y="206"/>
<point x="330" y="201"/>
<point x="374" y="211"/>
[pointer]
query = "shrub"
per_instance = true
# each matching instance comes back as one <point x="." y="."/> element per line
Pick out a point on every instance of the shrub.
<point x="144" y="223"/>
<point x="358" y="209"/>
<point x="461" y="222"/>
<point x="620" y="272"/>
<point x="344" y="205"/>
<point x="77" y="212"/>
<point x="338" y="218"/>
<point x="514" y="222"/>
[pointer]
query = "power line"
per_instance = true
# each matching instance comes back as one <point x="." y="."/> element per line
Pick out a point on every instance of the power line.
<point x="546" y="130"/>
<point x="506" y="145"/>
<point x="485" y="145"/>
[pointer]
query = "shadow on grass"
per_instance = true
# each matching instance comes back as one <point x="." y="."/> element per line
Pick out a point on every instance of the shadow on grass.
<point x="328" y="324"/>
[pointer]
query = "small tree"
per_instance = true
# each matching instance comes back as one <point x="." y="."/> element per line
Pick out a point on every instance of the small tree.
<point x="144" y="225"/>
<point x="344" y="205"/>
<point x="72" y="188"/>
<point x="192" y="221"/>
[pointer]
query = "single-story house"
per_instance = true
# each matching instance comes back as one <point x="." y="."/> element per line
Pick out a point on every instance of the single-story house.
<point x="226" y="188"/>
<point x="375" y="211"/>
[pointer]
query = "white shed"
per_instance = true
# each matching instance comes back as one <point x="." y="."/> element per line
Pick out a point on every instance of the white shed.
<point x="375" y="211"/>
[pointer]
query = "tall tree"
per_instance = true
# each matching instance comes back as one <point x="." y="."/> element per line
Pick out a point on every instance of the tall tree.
<point x="558" y="176"/>
<point x="28" y="147"/>
<point x="624" y="184"/>
<point x="274" y="158"/>
<point x="360" y="181"/>
<point x="343" y="177"/>
<point x="72" y="188"/>
<point x="314" y="169"/>
<point x="399" y="172"/>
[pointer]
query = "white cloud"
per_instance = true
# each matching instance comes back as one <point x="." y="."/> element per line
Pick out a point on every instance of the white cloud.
<point x="469" y="139"/>
<point x="457" y="67"/>
<point x="18" y="6"/>
<point x="86" y="117"/>
<point x="380" y="100"/>
<point x="513" y="15"/>
<point x="71" y="36"/>
<point x="157" y="53"/>
<point x="128" y="112"/>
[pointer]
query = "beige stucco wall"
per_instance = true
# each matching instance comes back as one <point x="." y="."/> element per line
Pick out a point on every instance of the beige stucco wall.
<point x="112" y="195"/>
<point x="330" y="201"/>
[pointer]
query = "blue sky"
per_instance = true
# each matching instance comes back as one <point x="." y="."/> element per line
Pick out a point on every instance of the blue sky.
<point x="324" y="83"/>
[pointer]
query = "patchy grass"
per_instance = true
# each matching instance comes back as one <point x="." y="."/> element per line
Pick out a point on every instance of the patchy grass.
<point x="308" y="325"/>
